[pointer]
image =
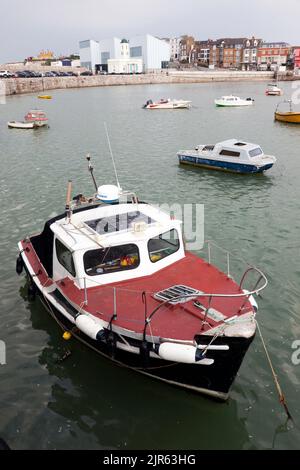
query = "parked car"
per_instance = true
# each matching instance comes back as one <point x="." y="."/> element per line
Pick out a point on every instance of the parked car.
<point x="20" y="74"/>
<point x="29" y="74"/>
<point x="86" y="73"/>
<point x="5" y="74"/>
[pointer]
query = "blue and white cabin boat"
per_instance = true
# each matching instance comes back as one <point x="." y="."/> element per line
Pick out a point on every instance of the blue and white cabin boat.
<point x="230" y="155"/>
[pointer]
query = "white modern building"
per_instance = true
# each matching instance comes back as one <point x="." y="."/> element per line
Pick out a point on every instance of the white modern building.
<point x="154" y="52"/>
<point x="125" y="64"/>
<point x="151" y="52"/>
<point x="89" y="53"/>
<point x="109" y="49"/>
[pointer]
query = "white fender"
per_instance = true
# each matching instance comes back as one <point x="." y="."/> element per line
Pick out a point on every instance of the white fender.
<point x="184" y="353"/>
<point x="89" y="326"/>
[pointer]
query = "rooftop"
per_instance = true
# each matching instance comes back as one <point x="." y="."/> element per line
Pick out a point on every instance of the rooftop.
<point x="234" y="143"/>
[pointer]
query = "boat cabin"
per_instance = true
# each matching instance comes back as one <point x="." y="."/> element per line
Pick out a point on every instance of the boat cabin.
<point x="110" y="243"/>
<point x="232" y="148"/>
<point x="36" y="115"/>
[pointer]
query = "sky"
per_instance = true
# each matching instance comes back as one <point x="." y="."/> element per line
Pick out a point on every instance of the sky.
<point x="28" y="26"/>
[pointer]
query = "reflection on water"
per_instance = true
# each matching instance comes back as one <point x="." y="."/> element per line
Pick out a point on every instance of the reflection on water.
<point x="85" y="401"/>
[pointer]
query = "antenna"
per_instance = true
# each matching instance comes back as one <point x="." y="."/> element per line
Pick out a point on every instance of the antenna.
<point x="112" y="156"/>
<point x="68" y="201"/>
<point x="91" y="169"/>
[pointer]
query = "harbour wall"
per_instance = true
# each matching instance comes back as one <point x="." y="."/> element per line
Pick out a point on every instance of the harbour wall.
<point x="13" y="86"/>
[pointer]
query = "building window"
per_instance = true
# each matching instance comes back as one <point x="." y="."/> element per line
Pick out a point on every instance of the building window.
<point x="136" y="51"/>
<point x="104" y="57"/>
<point x="65" y="257"/>
<point x="84" y="44"/>
<point x="111" y="260"/>
<point x="163" y="245"/>
<point x="87" y="65"/>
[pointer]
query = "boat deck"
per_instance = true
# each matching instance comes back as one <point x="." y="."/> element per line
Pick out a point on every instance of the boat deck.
<point x="177" y="321"/>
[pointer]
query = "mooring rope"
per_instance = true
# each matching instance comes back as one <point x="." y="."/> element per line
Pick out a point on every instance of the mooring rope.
<point x="277" y="384"/>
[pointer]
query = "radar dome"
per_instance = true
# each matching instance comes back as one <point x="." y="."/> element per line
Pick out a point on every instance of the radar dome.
<point x="108" y="193"/>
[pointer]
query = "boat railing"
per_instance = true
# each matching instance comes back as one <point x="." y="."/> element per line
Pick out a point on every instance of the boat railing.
<point x="260" y="284"/>
<point x="211" y="251"/>
<point x="284" y="102"/>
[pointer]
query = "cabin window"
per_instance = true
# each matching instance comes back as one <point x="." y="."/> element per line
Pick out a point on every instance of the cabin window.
<point x="229" y="153"/>
<point x="163" y="245"/>
<point x="65" y="257"/>
<point x="255" y="152"/>
<point x="111" y="259"/>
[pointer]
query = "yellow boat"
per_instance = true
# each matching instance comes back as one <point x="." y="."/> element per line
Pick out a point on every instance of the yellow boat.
<point x="45" y="97"/>
<point x="288" y="116"/>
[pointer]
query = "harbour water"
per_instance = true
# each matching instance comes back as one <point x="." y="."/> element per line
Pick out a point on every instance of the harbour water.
<point x="86" y="402"/>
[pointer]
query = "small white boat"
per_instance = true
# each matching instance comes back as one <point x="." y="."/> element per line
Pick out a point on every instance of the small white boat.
<point x="273" y="90"/>
<point x="167" y="104"/>
<point x="231" y="101"/>
<point x="20" y="125"/>
<point x="230" y="155"/>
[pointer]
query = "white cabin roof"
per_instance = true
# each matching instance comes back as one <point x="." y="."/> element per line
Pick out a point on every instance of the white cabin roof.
<point x="237" y="145"/>
<point x="110" y="225"/>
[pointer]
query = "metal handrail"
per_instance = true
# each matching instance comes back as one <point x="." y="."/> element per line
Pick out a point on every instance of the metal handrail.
<point x="246" y="295"/>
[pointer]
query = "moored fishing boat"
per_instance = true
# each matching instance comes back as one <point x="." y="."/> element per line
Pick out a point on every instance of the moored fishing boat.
<point x="33" y="119"/>
<point x="233" y="101"/>
<point x="37" y="117"/>
<point x="290" y="116"/>
<point x="230" y="155"/>
<point x="114" y="272"/>
<point x="167" y="104"/>
<point x="273" y="90"/>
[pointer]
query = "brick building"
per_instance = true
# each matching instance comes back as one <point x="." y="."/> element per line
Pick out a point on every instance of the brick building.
<point x="186" y="46"/>
<point x="200" y="53"/>
<point x="250" y="53"/>
<point x="271" y="55"/>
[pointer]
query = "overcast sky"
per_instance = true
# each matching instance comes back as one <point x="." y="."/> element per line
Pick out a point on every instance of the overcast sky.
<point x="28" y="26"/>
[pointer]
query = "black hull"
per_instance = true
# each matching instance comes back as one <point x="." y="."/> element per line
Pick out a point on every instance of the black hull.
<point x="214" y="380"/>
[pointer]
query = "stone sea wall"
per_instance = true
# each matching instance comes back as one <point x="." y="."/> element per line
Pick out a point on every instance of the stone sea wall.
<point x="40" y="85"/>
